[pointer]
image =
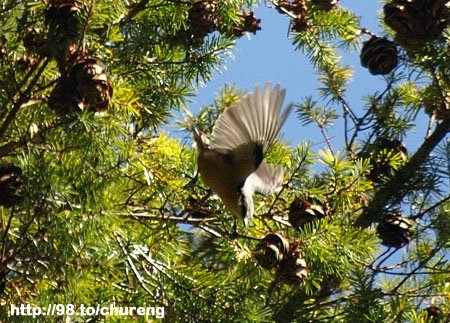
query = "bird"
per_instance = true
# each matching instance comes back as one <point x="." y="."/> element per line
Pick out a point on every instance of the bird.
<point x="232" y="161"/>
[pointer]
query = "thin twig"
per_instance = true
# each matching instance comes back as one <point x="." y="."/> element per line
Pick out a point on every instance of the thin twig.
<point x="131" y="264"/>
<point x="277" y="197"/>
<point x="415" y="270"/>
<point x="22" y="99"/>
<point x="5" y="234"/>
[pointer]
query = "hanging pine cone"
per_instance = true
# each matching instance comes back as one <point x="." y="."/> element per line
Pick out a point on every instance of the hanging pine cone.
<point x="390" y="144"/>
<point x="383" y="145"/>
<point x="380" y="153"/>
<point x="435" y="315"/>
<point x="298" y="11"/>
<point x="395" y="230"/>
<point x="438" y="12"/>
<point x="70" y="58"/>
<point x="303" y="211"/>
<point x="379" y="55"/>
<point x="399" y="15"/>
<point x="271" y="250"/>
<point x="416" y="22"/>
<point x="35" y="42"/>
<point x="85" y="86"/>
<point x="250" y="24"/>
<point x="296" y="8"/>
<point x="405" y="19"/>
<point x="63" y="17"/>
<point x="10" y="184"/>
<point x="436" y="102"/>
<point x="300" y="21"/>
<point x="203" y="19"/>
<point x="26" y="62"/>
<point x="293" y="268"/>
<point x="325" y="4"/>
<point x="92" y="83"/>
<point x="300" y="24"/>
<point x="65" y="98"/>
<point x="283" y="7"/>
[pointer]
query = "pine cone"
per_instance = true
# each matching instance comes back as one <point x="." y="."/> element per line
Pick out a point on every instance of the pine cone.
<point x="379" y="160"/>
<point x="395" y="231"/>
<point x="296" y="8"/>
<point x="26" y="63"/>
<point x="10" y="184"/>
<point x="293" y="268"/>
<point x="435" y="315"/>
<point x="416" y="22"/>
<point x="63" y="17"/>
<point x="65" y="98"/>
<point x="35" y="42"/>
<point x="300" y="24"/>
<point x="379" y="55"/>
<point x="69" y="58"/>
<point x="437" y="10"/>
<point x="402" y="16"/>
<point x="249" y="24"/>
<point x="283" y="7"/>
<point x="85" y="85"/>
<point x="92" y="83"/>
<point x="271" y="250"/>
<point x="436" y="102"/>
<point x="303" y="211"/>
<point x="325" y="4"/>
<point x="203" y="19"/>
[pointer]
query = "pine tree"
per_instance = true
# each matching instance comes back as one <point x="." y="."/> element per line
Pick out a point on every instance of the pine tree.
<point x="100" y="206"/>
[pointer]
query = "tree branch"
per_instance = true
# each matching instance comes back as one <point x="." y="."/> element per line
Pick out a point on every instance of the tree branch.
<point x="22" y="99"/>
<point x="394" y="191"/>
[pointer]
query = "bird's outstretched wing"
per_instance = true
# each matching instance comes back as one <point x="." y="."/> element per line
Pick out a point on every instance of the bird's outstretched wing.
<point x="254" y="119"/>
<point x="247" y="130"/>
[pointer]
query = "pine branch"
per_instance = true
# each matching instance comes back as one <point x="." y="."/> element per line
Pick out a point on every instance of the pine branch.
<point x="285" y="186"/>
<point x="5" y="233"/>
<point x="416" y="270"/>
<point x="130" y="262"/>
<point x="394" y="191"/>
<point x="135" y="9"/>
<point x="28" y="140"/>
<point x="24" y="96"/>
<point x="10" y="146"/>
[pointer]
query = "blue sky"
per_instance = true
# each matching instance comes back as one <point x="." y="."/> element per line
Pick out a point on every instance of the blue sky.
<point x="270" y="56"/>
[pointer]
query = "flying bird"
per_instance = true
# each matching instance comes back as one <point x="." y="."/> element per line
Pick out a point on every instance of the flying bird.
<point x="232" y="162"/>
